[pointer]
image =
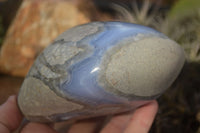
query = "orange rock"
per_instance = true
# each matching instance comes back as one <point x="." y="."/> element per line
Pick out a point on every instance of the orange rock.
<point x="36" y="24"/>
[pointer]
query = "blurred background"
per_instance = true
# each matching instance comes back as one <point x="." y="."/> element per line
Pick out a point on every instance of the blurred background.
<point x="28" y="26"/>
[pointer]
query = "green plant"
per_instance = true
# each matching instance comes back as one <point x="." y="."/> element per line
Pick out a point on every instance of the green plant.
<point x="183" y="25"/>
<point x="137" y="15"/>
<point x="184" y="8"/>
<point x="182" y="22"/>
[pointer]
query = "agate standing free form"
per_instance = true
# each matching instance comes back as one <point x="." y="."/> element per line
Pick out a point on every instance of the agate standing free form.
<point x="97" y="69"/>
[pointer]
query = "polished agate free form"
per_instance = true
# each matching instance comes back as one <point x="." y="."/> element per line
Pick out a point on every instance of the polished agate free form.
<point x="99" y="68"/>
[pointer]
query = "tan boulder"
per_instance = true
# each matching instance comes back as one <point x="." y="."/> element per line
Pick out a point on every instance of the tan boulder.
<point x="35" y="26"/>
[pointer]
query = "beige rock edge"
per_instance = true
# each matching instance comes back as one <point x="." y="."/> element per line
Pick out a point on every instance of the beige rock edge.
<point x="35" y="95"/>
<point x="143" y="68"/>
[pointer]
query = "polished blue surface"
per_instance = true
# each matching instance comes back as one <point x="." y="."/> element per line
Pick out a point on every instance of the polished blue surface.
<point x="83" y="83"/>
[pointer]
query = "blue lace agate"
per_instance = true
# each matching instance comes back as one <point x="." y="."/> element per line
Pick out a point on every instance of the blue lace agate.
<point x="83" y="82"/>
<point x="99" y="68"/>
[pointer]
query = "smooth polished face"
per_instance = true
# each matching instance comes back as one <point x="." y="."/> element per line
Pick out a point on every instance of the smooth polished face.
<point x="97" y="69"/>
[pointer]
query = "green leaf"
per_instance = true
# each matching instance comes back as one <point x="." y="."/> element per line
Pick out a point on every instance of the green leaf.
<point x="184" y="8"/>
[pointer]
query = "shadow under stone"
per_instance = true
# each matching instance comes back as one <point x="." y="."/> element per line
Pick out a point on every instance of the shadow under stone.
<point x="179" y="107"/>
